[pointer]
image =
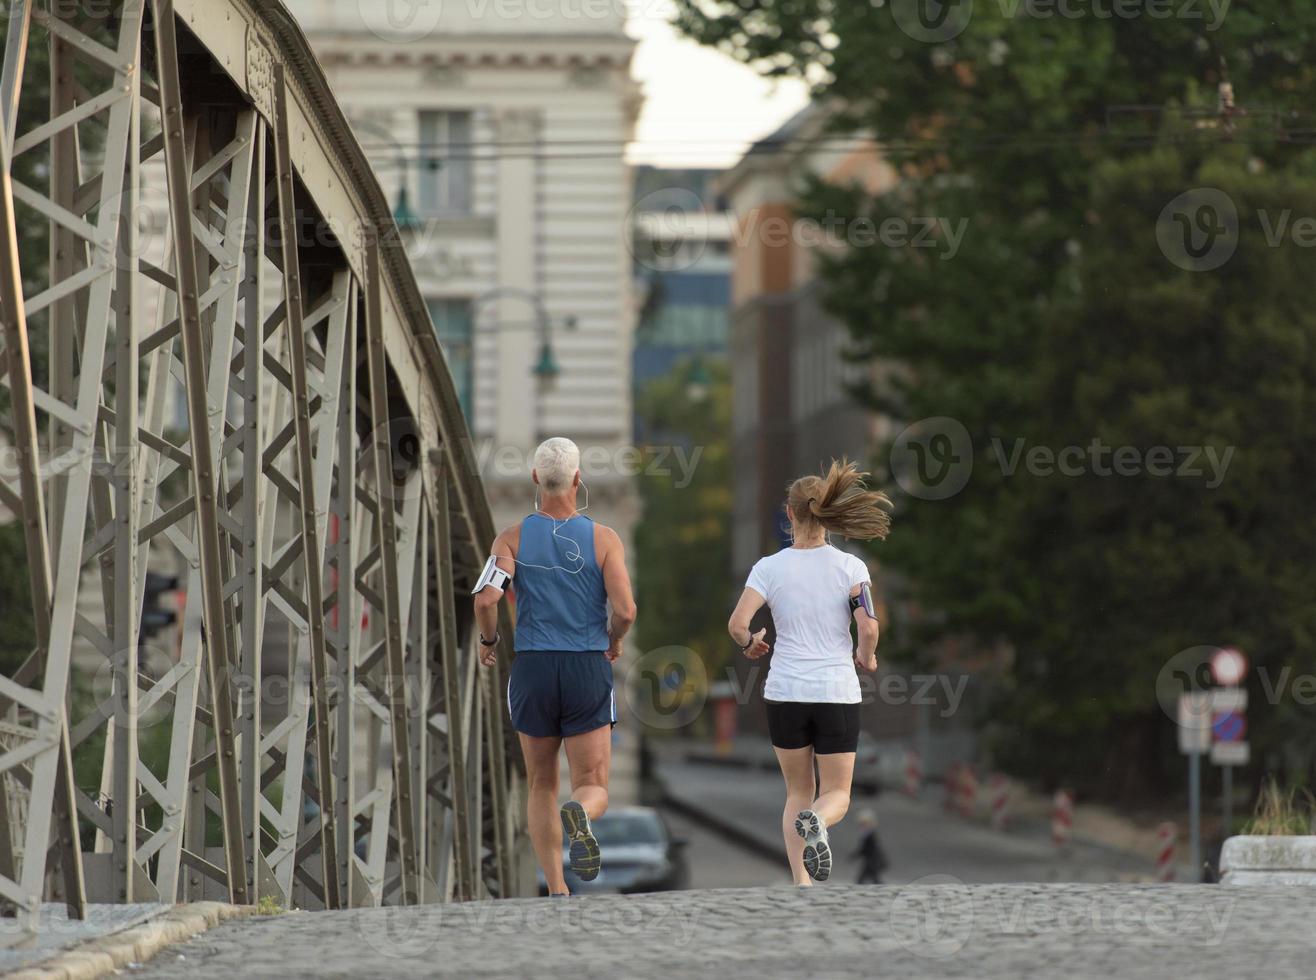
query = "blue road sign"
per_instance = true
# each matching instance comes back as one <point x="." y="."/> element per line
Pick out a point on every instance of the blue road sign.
<point x="1228" y="726"/>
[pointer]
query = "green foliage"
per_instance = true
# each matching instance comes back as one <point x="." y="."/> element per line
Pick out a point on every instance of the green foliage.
<point x="1059" y="140"/>
<point x="17" y="627"/>
<point x="683" y="541"/>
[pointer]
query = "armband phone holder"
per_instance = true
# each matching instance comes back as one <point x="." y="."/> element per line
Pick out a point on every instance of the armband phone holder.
<point x="492" y="575"/>
<point x="864" y="600"/>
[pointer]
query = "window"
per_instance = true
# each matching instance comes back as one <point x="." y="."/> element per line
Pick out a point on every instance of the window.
<point x="453" y="324"/>
<point x="445" y="163"/>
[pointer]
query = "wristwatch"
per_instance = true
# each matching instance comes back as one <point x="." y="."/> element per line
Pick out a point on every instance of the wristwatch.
<point x="488" y="643"/>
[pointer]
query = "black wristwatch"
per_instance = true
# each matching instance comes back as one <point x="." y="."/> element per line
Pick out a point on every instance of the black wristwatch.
<point x="488" y="643"/>
<point x="749" y="644"/>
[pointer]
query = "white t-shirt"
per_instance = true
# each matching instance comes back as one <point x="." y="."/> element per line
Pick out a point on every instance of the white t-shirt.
<point x="808" y="591"/>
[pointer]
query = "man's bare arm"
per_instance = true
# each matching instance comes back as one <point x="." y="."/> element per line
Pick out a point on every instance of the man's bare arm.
<point x="617" y="583"/>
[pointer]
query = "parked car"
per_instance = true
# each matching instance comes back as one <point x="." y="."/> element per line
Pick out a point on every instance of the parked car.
<point x="639" y="854"/>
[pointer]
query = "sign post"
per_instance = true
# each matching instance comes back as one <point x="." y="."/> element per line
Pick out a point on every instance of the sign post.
<point x="1195" y="741"/>
<point x="1229" y="746"/>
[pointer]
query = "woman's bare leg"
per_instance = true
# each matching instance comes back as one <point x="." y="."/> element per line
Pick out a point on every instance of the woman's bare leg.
<point x="835" y="771"/>
<point x="797" y="769"/>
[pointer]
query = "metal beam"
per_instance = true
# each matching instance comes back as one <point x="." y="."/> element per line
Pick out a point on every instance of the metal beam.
<point x="204" y="483"/>
<point x="313" y="556"/>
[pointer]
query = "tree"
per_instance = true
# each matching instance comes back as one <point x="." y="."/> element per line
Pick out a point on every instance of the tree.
<point x="683" y="541"/>
<point x="1061" y="141"/>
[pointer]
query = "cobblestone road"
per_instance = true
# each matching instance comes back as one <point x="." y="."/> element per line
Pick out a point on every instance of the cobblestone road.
<point x="1102" y="932"/>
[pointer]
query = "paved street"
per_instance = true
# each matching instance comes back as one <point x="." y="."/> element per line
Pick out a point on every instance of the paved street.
<point x="1090" y="932"/>
<point x="716" y="863"/>
<point x="920" y="838"/>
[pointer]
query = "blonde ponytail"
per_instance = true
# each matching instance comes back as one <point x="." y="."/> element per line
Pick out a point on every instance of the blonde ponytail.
<point x="840" y="501"/>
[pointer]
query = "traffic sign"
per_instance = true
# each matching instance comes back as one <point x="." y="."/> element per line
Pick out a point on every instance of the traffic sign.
<point x="1194" y="719"/>
<point x="1230" y="753"/>
<point x="1228" y="699"/>
<point x="1228" y="666"/>
<point x="1228" y="726"/>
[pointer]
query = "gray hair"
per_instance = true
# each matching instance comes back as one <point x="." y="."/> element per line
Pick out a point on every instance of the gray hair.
<point x="557" y="461"/>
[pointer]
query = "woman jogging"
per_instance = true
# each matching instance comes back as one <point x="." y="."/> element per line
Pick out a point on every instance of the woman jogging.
<point x="812" y="692"/>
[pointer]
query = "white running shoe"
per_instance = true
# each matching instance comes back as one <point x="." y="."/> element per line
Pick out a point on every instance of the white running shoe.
<point x="817" y="852"/>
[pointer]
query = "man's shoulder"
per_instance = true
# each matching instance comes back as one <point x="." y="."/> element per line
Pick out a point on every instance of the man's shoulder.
<point x="606" y="536"/>
<point x="510" y="535"/>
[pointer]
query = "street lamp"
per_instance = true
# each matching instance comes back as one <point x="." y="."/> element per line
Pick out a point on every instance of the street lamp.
<point x="403" y="215"/>
<point x="698" y="381"/>
<point x="546" y="368"/>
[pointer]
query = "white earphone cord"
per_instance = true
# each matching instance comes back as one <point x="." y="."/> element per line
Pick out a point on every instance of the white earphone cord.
<point x="557" y="525"/>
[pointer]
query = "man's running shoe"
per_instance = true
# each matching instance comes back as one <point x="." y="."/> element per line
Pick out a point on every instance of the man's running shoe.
<point x="584" y="848"/>
<point x="817" y="852"/>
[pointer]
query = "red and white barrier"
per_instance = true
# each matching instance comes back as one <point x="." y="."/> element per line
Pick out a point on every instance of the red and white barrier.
<point x="998" y="791"/>
<point x="913" y="774"/>
<point x="1167" y="836"/>
<point x="968" y="795"/>
<point x="1062" y="818"/>
<point x="951" y="799"/>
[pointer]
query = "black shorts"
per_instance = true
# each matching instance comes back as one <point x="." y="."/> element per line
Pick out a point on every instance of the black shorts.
<point x="828" y="727"/>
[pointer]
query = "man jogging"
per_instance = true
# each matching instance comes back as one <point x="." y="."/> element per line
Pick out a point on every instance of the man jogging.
<point x="566" y="573"/>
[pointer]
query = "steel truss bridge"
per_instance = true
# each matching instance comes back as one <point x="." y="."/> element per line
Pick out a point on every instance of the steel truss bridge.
<point x="319" y="731"/>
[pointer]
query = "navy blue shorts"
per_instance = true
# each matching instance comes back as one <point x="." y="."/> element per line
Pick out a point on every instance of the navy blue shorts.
<point x="560" y="693"/>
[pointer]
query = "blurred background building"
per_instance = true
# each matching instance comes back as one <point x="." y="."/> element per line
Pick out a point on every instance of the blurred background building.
<point x="791" y="410"/>
<point x="499" y="133"/>
<point x="682" y="240"/>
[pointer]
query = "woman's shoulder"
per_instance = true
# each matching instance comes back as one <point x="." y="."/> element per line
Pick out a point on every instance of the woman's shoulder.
<point x="848" y="559"/>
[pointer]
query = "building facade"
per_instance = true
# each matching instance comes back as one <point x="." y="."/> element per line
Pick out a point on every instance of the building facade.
<point x="682" y="242"/>
<point x="499" y="130"/>
<point x="792" y="413"/>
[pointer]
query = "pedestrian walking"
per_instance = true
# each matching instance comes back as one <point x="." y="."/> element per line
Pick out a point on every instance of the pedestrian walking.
<point x="813" y="591"/>
<point x="573" y="608"/>
<point x="871" y="857"/>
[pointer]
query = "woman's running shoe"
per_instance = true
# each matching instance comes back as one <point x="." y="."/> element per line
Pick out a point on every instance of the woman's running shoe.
<point x="817" y="852"/>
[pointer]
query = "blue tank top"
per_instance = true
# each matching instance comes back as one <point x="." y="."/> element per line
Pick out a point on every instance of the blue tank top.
<point x="561" y="603"/>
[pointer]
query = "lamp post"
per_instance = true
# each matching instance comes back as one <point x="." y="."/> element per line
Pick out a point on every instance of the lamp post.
<point x="403" y="214"/>
<point x="546" y="368"/>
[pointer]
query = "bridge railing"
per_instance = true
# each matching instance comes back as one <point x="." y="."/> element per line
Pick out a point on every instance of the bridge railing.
<point x="218" y="366"/>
